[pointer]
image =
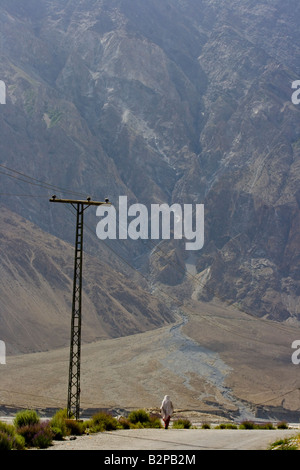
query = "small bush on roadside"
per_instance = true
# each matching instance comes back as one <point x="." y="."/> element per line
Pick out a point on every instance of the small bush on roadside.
<point x="251" y="425"/>
<point x="37" y="435"/>
<point x="58" y="424"/>
<point x="205" y="426"/>
<point x="102" y="422"/>
<point x="226" y="426"/>
<point x="75" y="428"/>
<point x="27" y="417"/>
<point x="230" y="426"/>
<point x="141" y="419"/>
<point x="139" y="416"/>
<point x="8" y="429"/>
<point x="62" y="426"/>
<point x="284" y="444"/>
<point x="247" y="425"/>
<point x="182" y="424"/>
<point x="282" y="425"/>
<point x="44" y="436"/>
<point x="265" y="426"/>
<point x="154" y="422"/>
<point x="123" y="423"/>
<point x="220" y="426"/>
<point x="57" y="434"/>
<point x="17" y="441"/>
<point x="6" y="441"/>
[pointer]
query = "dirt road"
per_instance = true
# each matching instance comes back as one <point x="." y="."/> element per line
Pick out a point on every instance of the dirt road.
<point x="177" y="439"/>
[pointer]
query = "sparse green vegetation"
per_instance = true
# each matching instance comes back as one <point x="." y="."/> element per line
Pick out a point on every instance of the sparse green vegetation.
<point x="247" y="425"/>
<point x="282" y="425"/>
<point x="252" y="425"/>
<point x="58" y="424"/>
<point x="29" y="101"/>
<point x="205" y="426"/>
<point x="154" y="422"/>
<point x="63" y="426"/>
<point x="226" y="426"/>
<point x="55" y="116"/>
<point x="142" y="419"/>
<point x="5" y="441"/>
<point x="285" y="444"/>
<point x="102" y="422"/>
<point x="9" y="438"/>
<point x="37" y="435"/>
<point x="27" y="417"/>
<point x="28" y="430"/>
<point x="182" y="424"/>
<point x="75" y="428"/>
<point x="18" y="442"/>
<point x="8" y="429"/>
<point x="139" y="416"/>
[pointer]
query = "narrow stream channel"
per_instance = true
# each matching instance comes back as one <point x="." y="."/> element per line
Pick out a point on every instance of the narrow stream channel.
<point x="188" y="357"/>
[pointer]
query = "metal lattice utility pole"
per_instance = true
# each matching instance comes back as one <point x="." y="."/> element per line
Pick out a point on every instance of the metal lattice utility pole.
<point x="73" y="407"/>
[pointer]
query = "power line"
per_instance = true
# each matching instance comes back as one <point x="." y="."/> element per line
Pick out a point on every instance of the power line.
<point x="37" y="182"/>
<point x="34" y="196"/>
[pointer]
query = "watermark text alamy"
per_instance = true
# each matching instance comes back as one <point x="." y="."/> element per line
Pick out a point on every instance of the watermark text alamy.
<point x="160" y="222"/>
<point x="296" y="94"/>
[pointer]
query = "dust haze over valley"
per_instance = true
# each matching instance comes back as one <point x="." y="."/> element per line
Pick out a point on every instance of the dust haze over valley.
<point x="162" y="101"/>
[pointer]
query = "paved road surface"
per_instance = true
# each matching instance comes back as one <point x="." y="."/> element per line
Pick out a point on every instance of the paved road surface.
<point x="177" y="439"/>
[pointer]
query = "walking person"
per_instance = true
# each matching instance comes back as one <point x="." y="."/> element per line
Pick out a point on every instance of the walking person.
<point x="166" y="410"/>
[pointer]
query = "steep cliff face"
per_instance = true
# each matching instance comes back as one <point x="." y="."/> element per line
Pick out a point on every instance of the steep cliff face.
<point x="164" y="101"/>
<point x="250" y="145"/>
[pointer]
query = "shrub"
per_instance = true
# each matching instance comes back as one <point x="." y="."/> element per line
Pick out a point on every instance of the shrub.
<point x="5" y="441"/>
<point x="284" y="444"/>
<point x="265" y="426"/>
<point x="226" y="426"/>
<point x="205" y="426"/>
<point x="139" y="416"/>
<point x="44" y="436"/>
<point x="282" y="425"/>
<point x="102" y="422"/>
<point x="8" y="429"/>
<point x="141" y="419"/>
<point x="154" y="422"/>
<point x="251" y="425"/>
<point x="247" y="425"/>
<point x="124" y="423"/>
<point x="18" y="442"/>
<point x="57" y="434"/>
<point x="58" y="424"/>
<point x="220" y="426"/>
<point x="182" y="424"/>
<point x="37" y="435"/>
<point x="27" y="417"/>
<point x="75" y="428"/>
<point x="230" y="426"/>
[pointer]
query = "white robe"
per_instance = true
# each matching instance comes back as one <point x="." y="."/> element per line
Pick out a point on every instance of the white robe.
<point x="166" y="407"/>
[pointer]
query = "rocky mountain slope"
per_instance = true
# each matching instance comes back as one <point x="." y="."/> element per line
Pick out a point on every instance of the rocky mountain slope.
<point x="162" y="101"/>
<point x="36" y="293"/>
